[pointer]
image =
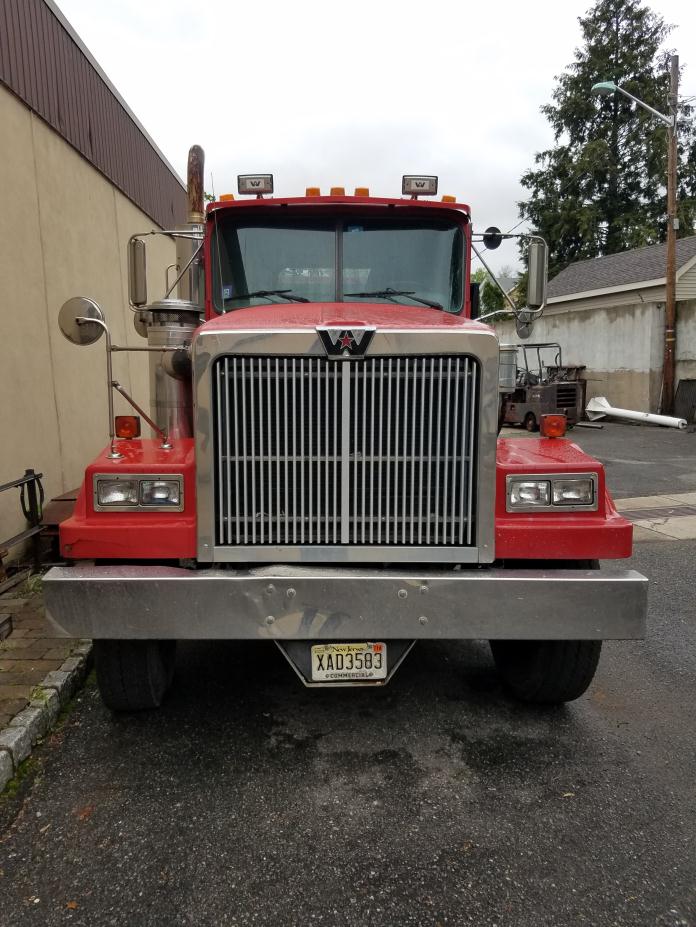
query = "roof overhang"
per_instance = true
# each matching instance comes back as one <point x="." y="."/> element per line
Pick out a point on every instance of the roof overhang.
<point x="623" y="287"/>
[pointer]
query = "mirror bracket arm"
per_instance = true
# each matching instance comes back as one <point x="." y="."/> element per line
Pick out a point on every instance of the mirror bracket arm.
<point x="166" y="444"/>
<point x="113" y="453"/>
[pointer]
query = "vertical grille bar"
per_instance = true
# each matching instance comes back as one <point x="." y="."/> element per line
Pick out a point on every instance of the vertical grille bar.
<point x="387" y="495"/>
<point x="286" y="451"/>
<point x="470" y="456"/>
<point x="236" y="445"/>
<point x="380" y="451"/>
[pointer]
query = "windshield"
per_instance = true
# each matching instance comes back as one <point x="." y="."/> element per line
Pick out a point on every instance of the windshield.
<point x="410" y="261"/>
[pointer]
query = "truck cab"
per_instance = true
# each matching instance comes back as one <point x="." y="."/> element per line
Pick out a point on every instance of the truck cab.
<point x="325" y="471"/>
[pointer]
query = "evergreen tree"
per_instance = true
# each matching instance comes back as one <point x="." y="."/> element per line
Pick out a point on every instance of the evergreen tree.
<point x="602" y="187"/>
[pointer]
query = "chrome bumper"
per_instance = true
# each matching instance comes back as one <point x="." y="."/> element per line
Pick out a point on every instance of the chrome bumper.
<point x="308" y="603"/>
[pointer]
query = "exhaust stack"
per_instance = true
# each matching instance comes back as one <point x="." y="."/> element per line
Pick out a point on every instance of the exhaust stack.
<point x="172" y="321"/>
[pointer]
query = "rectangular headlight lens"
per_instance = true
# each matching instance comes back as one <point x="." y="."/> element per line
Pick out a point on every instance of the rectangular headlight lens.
<point x="160" y="492"/>
<point x="529" y="492"/>
<point x="117" y="492"/>
<point x="573" y="492"/>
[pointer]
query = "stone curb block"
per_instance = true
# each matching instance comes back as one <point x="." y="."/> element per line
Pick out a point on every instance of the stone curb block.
<point x="33" y="722"/>
<point x="6" y="768"/>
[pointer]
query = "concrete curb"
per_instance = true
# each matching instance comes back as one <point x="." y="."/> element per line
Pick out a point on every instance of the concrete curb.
<point x="38" y="718"/>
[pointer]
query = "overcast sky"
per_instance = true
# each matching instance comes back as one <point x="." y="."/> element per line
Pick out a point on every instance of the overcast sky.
<point x="353" y="94"/>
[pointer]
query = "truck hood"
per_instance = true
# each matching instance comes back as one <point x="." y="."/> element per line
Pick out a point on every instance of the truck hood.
<point x="308" y="316"/>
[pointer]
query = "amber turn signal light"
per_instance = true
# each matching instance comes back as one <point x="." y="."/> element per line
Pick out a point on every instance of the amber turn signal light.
<point x="127" y="426"/>
<point x="553" y="426"/>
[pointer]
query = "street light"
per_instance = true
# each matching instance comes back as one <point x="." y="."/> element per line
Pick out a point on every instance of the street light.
<point x="607" y="88"/>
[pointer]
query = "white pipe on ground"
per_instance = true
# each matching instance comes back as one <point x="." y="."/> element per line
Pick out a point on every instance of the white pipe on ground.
<point x="599" y="407"/>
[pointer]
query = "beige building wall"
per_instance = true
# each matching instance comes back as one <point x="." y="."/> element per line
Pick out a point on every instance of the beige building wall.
<point x="64" y="229"/>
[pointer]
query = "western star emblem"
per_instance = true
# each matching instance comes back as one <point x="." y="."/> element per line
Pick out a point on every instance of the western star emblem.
<point x="345" y="342"/>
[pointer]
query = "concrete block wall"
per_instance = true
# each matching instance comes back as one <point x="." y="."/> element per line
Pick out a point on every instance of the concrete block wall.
<point x="64" y="229"/>
<point x="621" y="346"/>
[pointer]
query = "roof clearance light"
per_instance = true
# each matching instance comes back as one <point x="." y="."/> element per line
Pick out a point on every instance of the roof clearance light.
<point x="362" y="191"/>
<point x="413" y="185"/>
<point x="449" y="199"/>
<point x="312" y="191"/>
<point x="255" y="184"/>
<point x="224" y="197"/>
<point x="338" y="191"/>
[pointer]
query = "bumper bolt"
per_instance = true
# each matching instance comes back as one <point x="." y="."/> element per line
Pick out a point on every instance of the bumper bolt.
<point x="270" y="589"/>
<point x="423" y="619"/>
<point x="402" y="594"/>
<point x="270" y="619"/>
<point x="424" y="588"/>
<point x="291" y="593"/>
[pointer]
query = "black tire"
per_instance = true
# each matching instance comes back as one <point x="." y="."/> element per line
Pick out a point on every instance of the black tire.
<point x="530" y="422"/>
<point x="546" y="672"/>
<point x="134" y="675"/>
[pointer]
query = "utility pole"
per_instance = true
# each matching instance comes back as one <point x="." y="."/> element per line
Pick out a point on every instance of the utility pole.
<point x="672" y="226"/>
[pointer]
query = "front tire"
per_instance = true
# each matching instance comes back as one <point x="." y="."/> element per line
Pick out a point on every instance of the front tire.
<point x="134" y="675"/>
<point x="546" y="672"/>
<point x="530" y="422"/>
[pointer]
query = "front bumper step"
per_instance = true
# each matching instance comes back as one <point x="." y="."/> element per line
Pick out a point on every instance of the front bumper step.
<point x="327" y="603"/>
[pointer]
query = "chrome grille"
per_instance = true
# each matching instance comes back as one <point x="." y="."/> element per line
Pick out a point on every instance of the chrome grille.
<point x="375" y="452"/>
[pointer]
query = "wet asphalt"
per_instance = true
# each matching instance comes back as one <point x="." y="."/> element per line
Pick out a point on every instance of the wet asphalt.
<point x="248" y="799"/>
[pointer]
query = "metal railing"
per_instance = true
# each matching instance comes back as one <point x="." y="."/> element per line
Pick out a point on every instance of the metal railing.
<point x="31" y="499"/>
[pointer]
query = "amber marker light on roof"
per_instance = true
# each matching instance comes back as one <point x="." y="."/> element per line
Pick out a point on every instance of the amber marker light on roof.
<point x="448" y="198"/>
<point x="312" y="191"/>
<point x="226" y="196"/>
<point x="338" y="191"/>
<point x="127" y="426"/>
<point x="362" y="191"/>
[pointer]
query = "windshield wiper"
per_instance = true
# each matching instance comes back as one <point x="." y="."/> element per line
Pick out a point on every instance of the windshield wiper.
<point x="388" y="293"/>
<point x="286" y="294"/>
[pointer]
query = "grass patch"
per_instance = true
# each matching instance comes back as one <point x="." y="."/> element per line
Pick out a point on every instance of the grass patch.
<point x="27" y="769"/>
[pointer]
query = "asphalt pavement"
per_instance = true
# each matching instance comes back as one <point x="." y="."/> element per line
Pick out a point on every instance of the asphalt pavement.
<point x="248" y="799"/>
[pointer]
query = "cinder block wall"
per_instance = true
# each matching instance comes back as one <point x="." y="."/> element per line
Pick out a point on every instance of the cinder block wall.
<point x="64" y="229"/>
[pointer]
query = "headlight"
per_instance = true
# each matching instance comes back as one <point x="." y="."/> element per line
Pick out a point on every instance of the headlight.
<point x="529" y="492"/>
<point x="151" y="492"/>
<point x="160" y="492"/>
<point x="117" y="492"/>
<point x="551" y="491"/>
<point x="573" y="492"/>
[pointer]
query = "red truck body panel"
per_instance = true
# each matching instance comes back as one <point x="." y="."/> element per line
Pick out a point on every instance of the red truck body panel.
<point x="90" y="535"/>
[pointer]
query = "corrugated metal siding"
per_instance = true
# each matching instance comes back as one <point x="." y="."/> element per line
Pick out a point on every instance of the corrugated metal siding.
<point x="686" y="285"/>
<point x="41" y="63"/>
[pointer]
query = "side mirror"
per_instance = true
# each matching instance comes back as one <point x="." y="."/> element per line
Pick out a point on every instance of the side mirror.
<point x="74" y="320"/>
<point x="475" y="296"/>
<point x="537" y="266"/>
<point x="137" y="272"/>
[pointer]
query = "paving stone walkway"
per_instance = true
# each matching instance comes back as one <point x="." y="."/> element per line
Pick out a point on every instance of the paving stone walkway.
<point x="30" y="652"/>
<point x="661" y="518"/>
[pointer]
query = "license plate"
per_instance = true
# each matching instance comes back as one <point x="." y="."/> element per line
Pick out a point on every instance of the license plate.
<point x="345" y="662"/>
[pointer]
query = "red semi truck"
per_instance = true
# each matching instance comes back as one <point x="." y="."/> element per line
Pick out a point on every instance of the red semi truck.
<point x="324" y="469"/>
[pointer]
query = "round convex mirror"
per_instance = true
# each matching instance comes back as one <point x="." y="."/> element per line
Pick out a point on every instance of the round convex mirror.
<point x="72" y="316"/>
<point x="524" y="325"/>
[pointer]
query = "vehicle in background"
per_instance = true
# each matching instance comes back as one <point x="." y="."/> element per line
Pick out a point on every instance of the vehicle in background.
<point x="544" y="385"/>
